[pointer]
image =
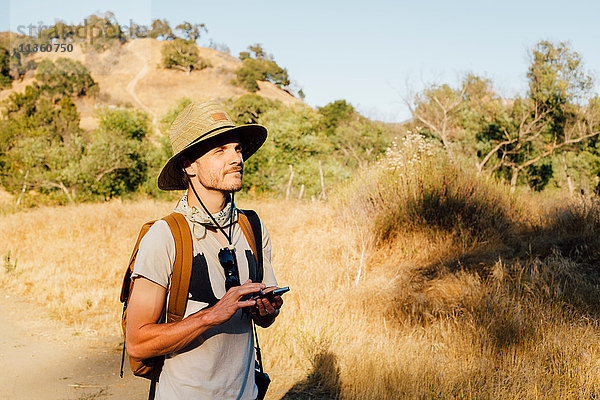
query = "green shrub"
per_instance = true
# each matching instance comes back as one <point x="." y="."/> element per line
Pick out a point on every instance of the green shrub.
<point x="5" y="81"/>
<point x="37" y="137"/>
<point x="65" y="77"/>
<point x="182" y="55"/>
<point x="247" y="109"/>
<point x="114" y="162"/>
<point x="335" y="113"/>
<point x="132" y="124"/>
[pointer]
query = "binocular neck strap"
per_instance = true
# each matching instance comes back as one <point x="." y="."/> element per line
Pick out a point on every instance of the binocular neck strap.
<point x="258" y="355"/>
<point x="212" y="218"/>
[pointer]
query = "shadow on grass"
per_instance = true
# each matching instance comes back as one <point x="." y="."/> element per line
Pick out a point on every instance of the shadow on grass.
<point x="550" y="264"/>
<point x="322" y="382"/>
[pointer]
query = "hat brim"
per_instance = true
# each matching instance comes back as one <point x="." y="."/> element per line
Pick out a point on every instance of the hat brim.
<point x="251" y="136"/>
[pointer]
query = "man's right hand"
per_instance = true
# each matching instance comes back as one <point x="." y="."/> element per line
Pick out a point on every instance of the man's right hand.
<point x="230" y="302"/>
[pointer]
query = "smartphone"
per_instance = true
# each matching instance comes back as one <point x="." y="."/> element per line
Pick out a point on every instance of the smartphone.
<point x="271" y="294"/>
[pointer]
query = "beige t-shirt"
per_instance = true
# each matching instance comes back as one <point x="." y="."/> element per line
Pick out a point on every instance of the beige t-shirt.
<point x="219" y="364"/>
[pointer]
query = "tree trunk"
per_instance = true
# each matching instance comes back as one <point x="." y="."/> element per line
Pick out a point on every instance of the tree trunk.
<point x="447" y="146"/>
<point x="513" y="179"/>
<point x="569" y="180"/>
<point x="66" y="191"/>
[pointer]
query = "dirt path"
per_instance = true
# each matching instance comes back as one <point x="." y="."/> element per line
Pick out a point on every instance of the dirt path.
<point x="134" y="81"/>
<point x="131" y="90"/>
<point x="43" y="359"/>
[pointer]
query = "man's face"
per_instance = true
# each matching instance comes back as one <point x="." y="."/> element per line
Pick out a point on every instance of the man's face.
<point x="221" y="168"/>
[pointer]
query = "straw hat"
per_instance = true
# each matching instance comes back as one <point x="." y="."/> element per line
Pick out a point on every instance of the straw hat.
<point x="197" y="123"/>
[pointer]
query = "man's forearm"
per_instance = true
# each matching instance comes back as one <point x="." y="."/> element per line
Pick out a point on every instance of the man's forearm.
<point x="153" y="340"/>
<point x="145" y="338"/>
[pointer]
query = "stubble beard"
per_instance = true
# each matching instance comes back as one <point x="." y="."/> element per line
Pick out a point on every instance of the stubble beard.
<point x="221" y="182"/>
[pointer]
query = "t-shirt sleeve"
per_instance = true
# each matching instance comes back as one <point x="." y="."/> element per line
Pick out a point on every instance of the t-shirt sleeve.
<point x="268" y="273"/>
<point x="156" y="255"/>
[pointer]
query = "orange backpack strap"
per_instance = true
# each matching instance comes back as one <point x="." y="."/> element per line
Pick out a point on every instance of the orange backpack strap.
<point x="247" y="230"/>
<point x="182" y="266"/>
<point x="127" y="283"/>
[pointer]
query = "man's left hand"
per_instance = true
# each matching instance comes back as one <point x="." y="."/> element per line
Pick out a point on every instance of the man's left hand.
<point x="266" y="309"/>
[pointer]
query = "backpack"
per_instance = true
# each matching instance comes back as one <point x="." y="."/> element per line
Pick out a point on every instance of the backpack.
<point x="182" y="268"/>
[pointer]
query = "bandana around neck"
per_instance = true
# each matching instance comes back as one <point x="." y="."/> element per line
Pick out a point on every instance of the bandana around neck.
<point x="200" y="220"/>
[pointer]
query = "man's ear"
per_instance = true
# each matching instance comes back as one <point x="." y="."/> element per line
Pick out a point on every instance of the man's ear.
<point x="189" y="167"/>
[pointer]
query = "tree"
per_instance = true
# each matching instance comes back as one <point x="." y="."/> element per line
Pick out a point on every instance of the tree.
<point x="438" y="108"/>
<point x="41" y="141"/>
<point x="248" y="109"/>
<point x="182" y="55"/>
<point x="525" y="134"/>
<point x="65" y="77"/>
<point x="114" y="162"/>
<point x="516" y="139"/>
<point x="161" y="29"/>
<point x="101" y="31"/>
<point x="259" y="68"/>
<point x="60" y="31"/>
<point x="259" y="52"/>
<point x="20" y="62"/>
<point x="556" y="76"/>
<point x="334" y="114"/>
<point x="138" y="31"/>
<point x="560" y="87"/>
<point x="191" y="31"/>
<point x="5" y="81"/>
<point x="511" y="141"/>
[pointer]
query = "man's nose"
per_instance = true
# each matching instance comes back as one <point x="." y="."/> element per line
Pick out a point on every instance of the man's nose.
<point x="236" y="157"/>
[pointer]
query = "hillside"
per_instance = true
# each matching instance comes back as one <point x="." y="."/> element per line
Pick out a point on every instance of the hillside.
<point x="131" y="73"/>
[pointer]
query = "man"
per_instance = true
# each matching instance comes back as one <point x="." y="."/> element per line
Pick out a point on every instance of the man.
<point x="210" y="353"/>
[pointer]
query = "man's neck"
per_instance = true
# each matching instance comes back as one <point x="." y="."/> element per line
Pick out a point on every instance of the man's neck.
<point x="213" y="200"/>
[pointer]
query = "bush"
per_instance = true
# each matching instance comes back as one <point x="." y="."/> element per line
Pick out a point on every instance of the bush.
<point x="60" y="161"/>
<point x="114" y="162"/>
<point x="247" y="109"/>
<point x="335" y="113"/>
<point x="5" y="81"/>
<point x="132" y="124"/>
<point x="416" y="187"/>
<point x="65" y="77"/>
<point x="182" y="55"/>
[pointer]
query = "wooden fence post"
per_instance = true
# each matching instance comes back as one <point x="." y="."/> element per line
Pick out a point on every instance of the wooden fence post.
<point x="289" y="185"/>
<point x="322" y="195"/>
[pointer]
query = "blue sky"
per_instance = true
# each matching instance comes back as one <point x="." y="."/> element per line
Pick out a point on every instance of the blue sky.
<point x="371" y="53"/>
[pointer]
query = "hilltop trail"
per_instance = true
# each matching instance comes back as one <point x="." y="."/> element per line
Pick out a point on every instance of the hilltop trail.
<point x="131" y="90"/>
<point x="45" y="359"/>
<point x="134" y="81"/>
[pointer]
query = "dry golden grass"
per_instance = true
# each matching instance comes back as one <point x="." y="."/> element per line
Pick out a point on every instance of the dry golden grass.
<point x="404" y="322"/>
<point x="70" y="259"/>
